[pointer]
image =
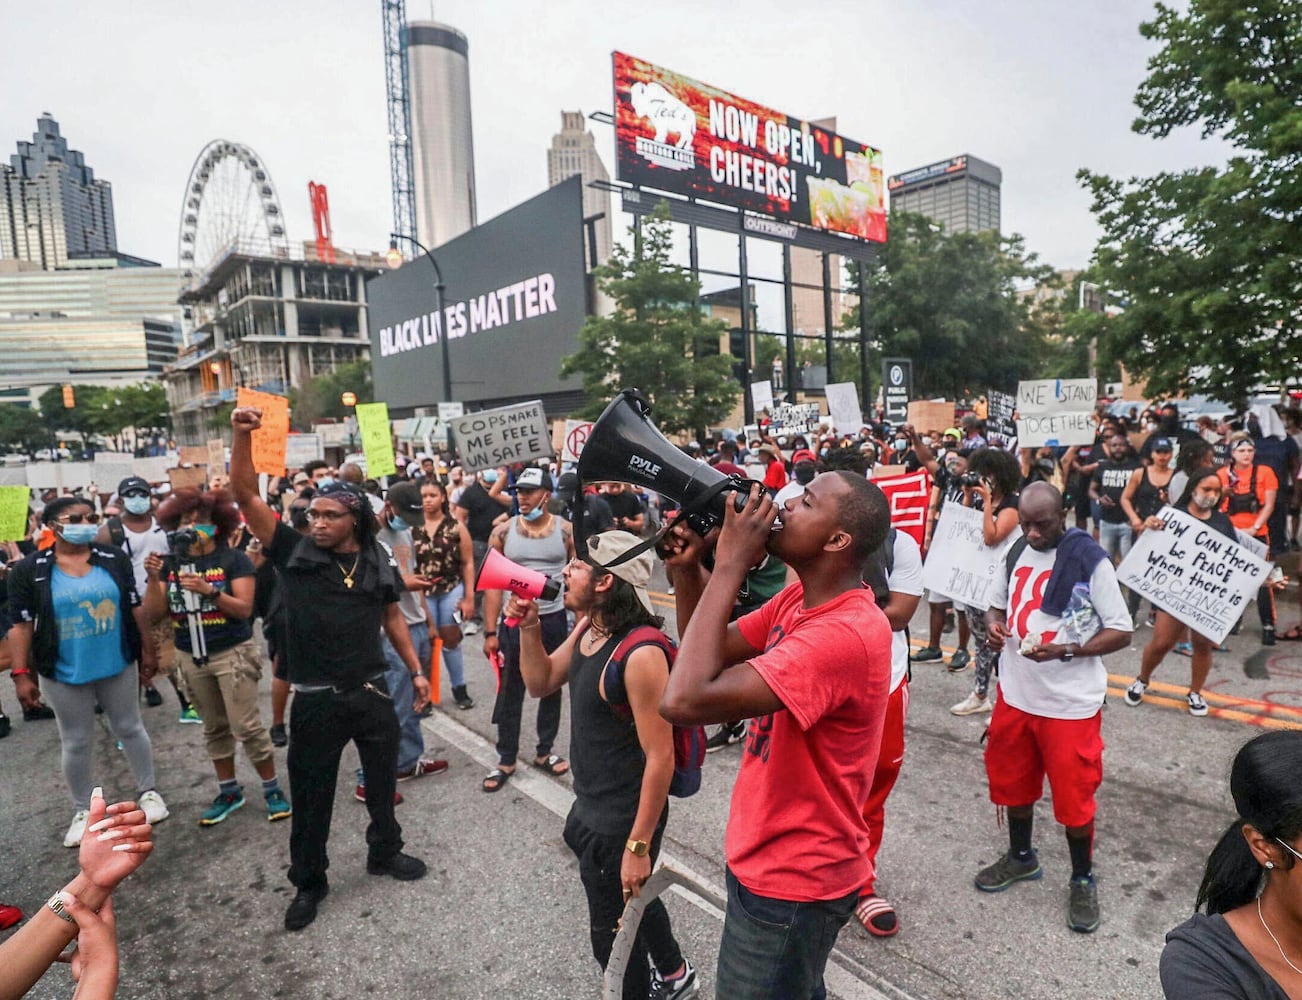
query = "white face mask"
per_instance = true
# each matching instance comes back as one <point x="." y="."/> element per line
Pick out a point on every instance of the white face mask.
<point x="1206" y="502"/>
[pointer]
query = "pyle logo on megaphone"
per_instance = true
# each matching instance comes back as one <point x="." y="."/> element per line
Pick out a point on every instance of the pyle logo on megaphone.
<point x="644" y="465"/>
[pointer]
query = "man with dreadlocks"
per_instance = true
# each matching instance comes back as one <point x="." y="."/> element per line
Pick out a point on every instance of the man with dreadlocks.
<point x="340" y="587"/>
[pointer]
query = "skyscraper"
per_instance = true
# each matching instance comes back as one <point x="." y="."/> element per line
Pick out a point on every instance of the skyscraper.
<point x="574" y="151"/>
<point x="442" y="142"/>
<point x="51" y="206"/>
<point x="962" y="194"/>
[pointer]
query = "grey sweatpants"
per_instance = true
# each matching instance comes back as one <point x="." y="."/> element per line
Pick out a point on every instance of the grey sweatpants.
<point x="74" y="709"/>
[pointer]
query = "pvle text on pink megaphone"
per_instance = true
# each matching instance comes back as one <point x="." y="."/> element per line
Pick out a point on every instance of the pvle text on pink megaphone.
<point x="500" y="573"/>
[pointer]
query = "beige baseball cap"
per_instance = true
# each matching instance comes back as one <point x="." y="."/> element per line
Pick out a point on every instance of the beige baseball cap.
<point x="606" y="547"/>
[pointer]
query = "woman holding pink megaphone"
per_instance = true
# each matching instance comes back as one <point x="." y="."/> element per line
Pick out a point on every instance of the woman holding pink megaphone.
<point x="536" y="545"/>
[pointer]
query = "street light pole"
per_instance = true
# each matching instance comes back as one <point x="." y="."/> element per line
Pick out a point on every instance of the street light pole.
<point x="438" y="303"/>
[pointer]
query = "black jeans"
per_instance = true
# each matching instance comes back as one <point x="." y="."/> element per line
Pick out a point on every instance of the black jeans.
<point x="775" y="949"/>
<point x="510" y="696"/>
<point x="320" y="724"/>
<point x="599" y="857"/>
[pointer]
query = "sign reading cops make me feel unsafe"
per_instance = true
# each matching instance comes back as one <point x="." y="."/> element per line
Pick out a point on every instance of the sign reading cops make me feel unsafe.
<point x="503" y="436"/>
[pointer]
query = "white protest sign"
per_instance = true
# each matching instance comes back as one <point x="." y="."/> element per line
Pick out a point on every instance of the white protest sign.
<point x="499" y="437"/>
<point x="111" y="467"/>
<point x="843" y="404"/>
<point x="959" y="563"/>
<point x="794" y="416"/>
<point x="303" y="448"/>
<point x="61" y="475"/>
<point x="450" y="411"/>
<point x="1193" y="572"/>
<point x="1056" y="412"/>
<point x="761" y="395"/>
<point x="576" y="434"/>
<point x="153" y="470"/>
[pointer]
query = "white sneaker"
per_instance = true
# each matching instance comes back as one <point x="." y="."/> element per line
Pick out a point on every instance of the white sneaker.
<point x="1197" y="706"/>
<point x="154" y="806"/>
<point x="77" y="828"/>
<point x="973" y="704"/>
<point x="1135" y="693"/>
<point x="470" y="628"/>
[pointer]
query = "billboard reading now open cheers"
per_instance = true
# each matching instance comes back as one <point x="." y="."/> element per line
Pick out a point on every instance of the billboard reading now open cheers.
<point x="678" y="134"/>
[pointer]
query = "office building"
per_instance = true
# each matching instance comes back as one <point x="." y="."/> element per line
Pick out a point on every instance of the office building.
<point x="110" y="320"/>
<point x="442" y="142"/>
<point x="269" y="323"/>
<point x="961" y="194"/>
<point x="574" y="151"/>
<point x="52" y="208"/>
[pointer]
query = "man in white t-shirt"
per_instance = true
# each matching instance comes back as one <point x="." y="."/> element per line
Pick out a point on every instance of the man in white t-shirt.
<point x="904" y="583"/>
<point x="1052" y="618"/>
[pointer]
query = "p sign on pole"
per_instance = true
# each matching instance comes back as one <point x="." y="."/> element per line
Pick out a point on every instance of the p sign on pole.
<point x="576" y="435"/>
<point x="897" y="388"/>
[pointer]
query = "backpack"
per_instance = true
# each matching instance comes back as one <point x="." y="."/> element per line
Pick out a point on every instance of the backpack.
<point x="1012" y="555"/>
<point x="689" y="741"/>
<point x="877" y="568"/>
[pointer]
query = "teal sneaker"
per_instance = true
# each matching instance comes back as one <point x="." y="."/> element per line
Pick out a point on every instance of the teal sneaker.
<point x="278" y="806"/>
<point x="188" y="714"/>
<point x="221" y="807"/>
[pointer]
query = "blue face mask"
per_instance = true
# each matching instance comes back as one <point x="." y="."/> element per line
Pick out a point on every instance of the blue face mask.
<point x="325" y="481"/>
<point x="397" y="524"/>
<point x="534" y="514"/>
<point x="136" y="505"/>
<point x="490" y="475"/>
<point x="207" y="530"/>
<point x="79" y="534"/>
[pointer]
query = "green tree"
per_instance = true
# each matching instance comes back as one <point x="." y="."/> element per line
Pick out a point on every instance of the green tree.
<point x="655" y="340"/>
<point x="21" y="427"/>
<point x="951" y="302"/>
<point x="319" y="398"/>
<point x="1206" y="261"/>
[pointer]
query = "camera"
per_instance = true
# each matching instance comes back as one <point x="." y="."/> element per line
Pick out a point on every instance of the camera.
<point x="182" y="541"/>
<point x="970" y="480"/>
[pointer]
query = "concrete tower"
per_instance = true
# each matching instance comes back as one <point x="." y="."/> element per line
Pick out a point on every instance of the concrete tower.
<point x="443" y="149"/>
<point x="574" y="151"/>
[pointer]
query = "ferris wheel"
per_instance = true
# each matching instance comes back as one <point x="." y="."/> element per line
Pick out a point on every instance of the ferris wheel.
<point x="229" y="197"/>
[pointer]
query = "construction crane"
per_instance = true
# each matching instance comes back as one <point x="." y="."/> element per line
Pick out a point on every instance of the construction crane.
<point x="325" y="247"/>
<point x="402" y="176"/>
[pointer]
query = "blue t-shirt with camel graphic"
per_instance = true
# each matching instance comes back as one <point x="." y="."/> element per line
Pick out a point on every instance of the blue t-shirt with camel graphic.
<point x="90" y="626"/>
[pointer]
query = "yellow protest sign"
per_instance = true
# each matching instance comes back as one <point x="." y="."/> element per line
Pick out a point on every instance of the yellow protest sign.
<point x="14" y="511"/>
<point x="377" y="440"/>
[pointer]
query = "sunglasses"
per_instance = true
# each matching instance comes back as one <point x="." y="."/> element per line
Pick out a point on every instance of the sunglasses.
<point x="78" y="519"/>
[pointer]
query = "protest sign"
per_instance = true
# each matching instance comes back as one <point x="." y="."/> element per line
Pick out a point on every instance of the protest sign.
<point x="576" y="434"/>
<point x="450" y="411"/>
<point x="216" y="457"/>
<point x="1055" y="430"/>
<point x="926" y="415"/>
<point x="193" y="475"/>
<point x="303" y="448"/>
<point x="500" y="437"/>
<point x="959" y="563"/>
<point x="1193" y="572"/>
<point x="14" y="508"/>
<point x="761" y="396"/>
<point x="194" y="455"/>
<point x="843" y="404"/>
<point x="1056" y="412"/>
<point x="377" y="439"/>
<point x="270" y="439"/>
<point x="908" y="496"/>
<point x="1000" y="407"/>
<point x="152" y="470"/>
<point x="110" y="468"/>
<point x="794" y="416"/>
<point x="60" y="475"/>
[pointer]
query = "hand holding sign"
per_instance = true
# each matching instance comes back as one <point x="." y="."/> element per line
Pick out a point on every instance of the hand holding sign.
<point x="14" y="511"/>
<point x="377" y="440"/>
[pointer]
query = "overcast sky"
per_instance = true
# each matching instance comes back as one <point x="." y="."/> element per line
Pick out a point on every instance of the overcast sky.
<point x="1038" y="87"/>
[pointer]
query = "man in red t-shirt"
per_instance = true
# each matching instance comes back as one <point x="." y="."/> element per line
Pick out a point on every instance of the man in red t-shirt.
<point x="775" y="473"/>
<point x="812" y="670"/>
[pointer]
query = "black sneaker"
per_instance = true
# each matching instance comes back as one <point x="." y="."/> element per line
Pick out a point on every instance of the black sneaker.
<point x="1268" y="635"/>
<point x="152" y="698"/>
<point x="926" y="653"/>
<point x="682" y="988"/>
<point x="278" y="736"/>
<point x="302" y="910"/>
<point x="38" y="713"/>
<point x="401" y="866"/>
<point x="4" y="725"/>
<point x="1083" y="905"/>
<point x="1006" y="871"/>
<point x="728" y="734"/>
<point x="462" y="697"/>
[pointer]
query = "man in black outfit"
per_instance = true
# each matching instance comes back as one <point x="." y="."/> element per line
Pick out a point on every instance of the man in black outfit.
<point x="621" y="749"/>
<point x="340" y="587"/>
<point x="482" y="504"/>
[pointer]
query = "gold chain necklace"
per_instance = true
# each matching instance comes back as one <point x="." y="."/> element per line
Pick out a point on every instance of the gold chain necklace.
<point x="1275" y="939"/>
<point x="348" y="573"/>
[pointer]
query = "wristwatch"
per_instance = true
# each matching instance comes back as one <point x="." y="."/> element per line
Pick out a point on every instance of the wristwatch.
<point x="56" y="906"/>
<point x="1068" y="653"/>
<point x="638" y="848"/>
<point x="489" y="635"/>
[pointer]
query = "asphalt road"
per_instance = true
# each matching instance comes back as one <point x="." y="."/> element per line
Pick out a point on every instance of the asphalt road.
<point x="502" y="915"/>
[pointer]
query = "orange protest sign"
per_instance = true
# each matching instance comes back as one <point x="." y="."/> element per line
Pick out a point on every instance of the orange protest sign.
<point x="271" y="439"/>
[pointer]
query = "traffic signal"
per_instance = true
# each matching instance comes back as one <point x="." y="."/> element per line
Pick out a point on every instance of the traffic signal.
<point x="69" y="400"/>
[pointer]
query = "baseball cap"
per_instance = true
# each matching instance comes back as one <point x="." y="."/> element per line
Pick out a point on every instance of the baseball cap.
<point x="608" y="546"/>
<point x="404" y="498"/>
<point x="533" y="478"/>
<point x="803" y="455"/>
<point x="133" y="484"/>
<point x="953" y="432"/>
<point x="1162" y="444"/>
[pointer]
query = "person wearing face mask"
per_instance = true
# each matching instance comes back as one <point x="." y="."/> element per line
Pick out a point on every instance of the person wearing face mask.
<point x="804" y="467"/>
<point x="213" y="632"/>
<point x="539" y="540"/>
<point x="1201" y="499"/>
<point x="1168" y="428"/>
<point x="137" y="533"/>
<point x="902" y="452"/>
<point x="80" y="624"/>
<point x="483" y="504"/>
<point x="1250" y="493"/>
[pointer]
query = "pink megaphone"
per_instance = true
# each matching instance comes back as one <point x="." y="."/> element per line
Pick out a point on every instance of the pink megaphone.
<point x="500" y="573"/>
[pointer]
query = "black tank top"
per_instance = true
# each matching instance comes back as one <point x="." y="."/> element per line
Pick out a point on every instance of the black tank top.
<point x="1149" y="497"/>
<point x="605" y="754"/>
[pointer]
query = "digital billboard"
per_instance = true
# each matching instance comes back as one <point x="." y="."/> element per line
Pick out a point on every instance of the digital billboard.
<point x="680" y="135"/>
<point x="514" y="300"/>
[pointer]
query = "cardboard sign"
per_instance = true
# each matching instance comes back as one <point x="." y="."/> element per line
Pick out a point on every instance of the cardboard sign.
<point x="959" y="563"/>
<point x="1056" y="412"/>
<point x="576" y="435"/>
<point x="217" y="457"/>
<point x="843" y="404"/>
<point x="1055" y="430"/>
<point x="14" y="508"/>
<point x="377" y="439"/>
<point x="508" y="434"/>
<point x="909" y="497"/>
<point x="1194" y="572"/>
<point x="194" y="475"/>
<point x="761" y="396"/>
<point x="194" y="455"/>
<point x="270" y="439"/>
<point x="303" y="448"/>
<point x="931" y="415"/>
